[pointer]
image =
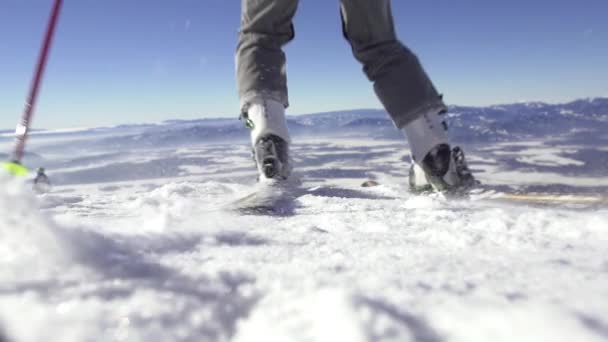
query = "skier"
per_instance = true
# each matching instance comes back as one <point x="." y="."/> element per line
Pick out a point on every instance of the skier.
<point x="42" y="183"/>
<point x="400" y="83"/>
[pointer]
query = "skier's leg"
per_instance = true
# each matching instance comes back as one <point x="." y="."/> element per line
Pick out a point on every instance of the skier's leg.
<point x="399" y="80"/>
<point x="406" y="92"/>
<point x="266" y="26"/>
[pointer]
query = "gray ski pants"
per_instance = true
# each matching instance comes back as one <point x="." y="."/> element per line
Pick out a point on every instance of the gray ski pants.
<point x="399" y="80"/>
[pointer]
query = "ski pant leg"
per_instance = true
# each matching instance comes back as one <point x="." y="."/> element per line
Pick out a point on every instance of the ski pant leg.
<point x="399" y="80"/>
<point x="266" y="26"/>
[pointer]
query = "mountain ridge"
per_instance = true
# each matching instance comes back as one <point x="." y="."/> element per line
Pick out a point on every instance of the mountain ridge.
<point x="582" y="120"/>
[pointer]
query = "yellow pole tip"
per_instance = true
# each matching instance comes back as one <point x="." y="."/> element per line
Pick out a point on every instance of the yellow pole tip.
<point x="15" y="168"/>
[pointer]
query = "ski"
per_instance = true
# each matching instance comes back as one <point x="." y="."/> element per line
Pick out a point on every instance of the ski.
<point x="482" y="192"/>
<point x="275" y="198"/>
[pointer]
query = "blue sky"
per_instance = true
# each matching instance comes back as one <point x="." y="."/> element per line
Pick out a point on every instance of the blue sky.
<point x="129" y="61"/>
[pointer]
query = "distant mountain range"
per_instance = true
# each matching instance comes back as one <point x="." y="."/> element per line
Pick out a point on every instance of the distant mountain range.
<point x="587" y="118"/>
<point x="584" y="120"/>
<point x="580" y="120"/>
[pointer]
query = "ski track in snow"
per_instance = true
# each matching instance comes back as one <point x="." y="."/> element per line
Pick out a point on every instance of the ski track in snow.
<point x="156" y="258"/>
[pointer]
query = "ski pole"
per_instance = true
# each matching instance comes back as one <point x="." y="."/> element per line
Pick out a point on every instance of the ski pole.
<point x="23" y="127"/>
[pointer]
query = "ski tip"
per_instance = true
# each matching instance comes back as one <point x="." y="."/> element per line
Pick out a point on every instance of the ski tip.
<point x="15" y="168"/>
<point x="369" y="184"/>
<point x="556" y="198"/>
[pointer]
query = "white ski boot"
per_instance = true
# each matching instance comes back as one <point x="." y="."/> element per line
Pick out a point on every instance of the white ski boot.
<point x="269" y="138"/>
<point x="435" y="165"/>
<point x="442" y="170"/>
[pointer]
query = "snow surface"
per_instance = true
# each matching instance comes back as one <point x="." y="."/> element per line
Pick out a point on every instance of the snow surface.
<point x="135" y="245"/>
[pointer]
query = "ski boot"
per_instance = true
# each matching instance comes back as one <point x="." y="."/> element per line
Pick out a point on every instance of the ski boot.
<point x="271" y="154"/>
<point x="435" y="165"/>
<point x="269" y="138"/>
<point x="443" y="170"/>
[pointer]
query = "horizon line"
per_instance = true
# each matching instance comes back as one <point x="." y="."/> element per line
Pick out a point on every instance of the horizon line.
<point x="4" y="131"/>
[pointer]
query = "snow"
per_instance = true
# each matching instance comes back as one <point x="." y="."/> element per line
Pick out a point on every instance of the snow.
<point x="156" y="257"/>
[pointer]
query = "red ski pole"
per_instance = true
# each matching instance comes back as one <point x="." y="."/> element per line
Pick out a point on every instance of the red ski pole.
<point x="24" y="126"/>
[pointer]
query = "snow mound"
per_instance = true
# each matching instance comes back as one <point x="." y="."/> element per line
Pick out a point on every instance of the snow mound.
<point x="322" y="316"/>
<point x="183" y="207"/>
<point x="30" y="250"/>
<point x="495" y="321"/>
